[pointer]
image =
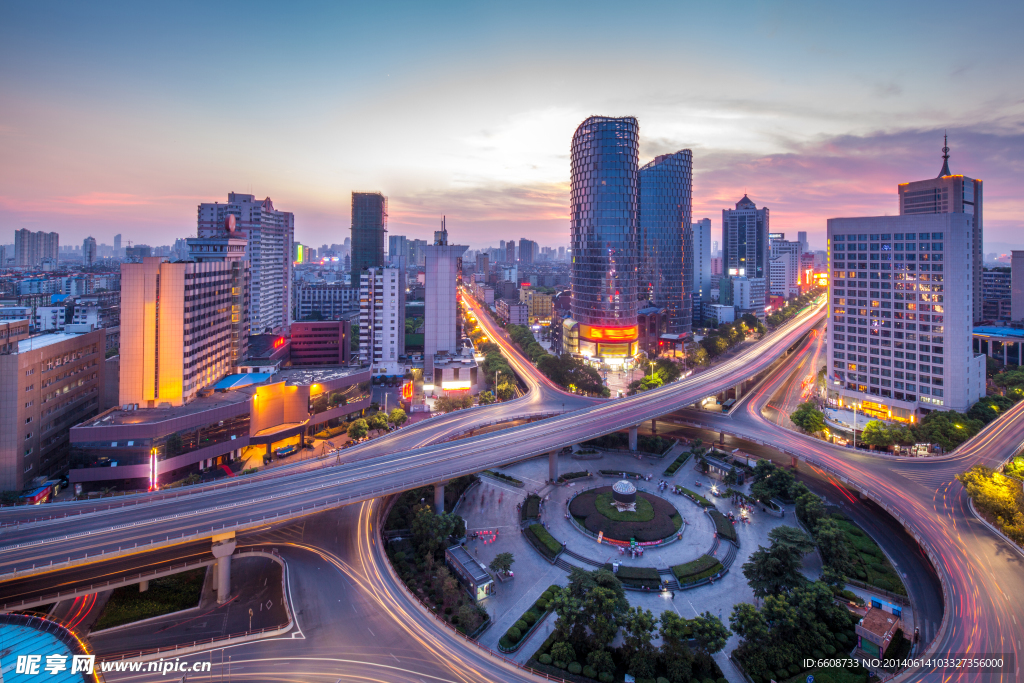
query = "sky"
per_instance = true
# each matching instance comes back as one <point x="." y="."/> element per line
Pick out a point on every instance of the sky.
<point x="123" y="117"/>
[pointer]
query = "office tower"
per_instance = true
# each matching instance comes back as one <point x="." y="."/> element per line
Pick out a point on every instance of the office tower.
<point x="89" y="251"/>
<point x="369" y="225"/>
<point x="561" y="253"/>
<point x="382" y="319"/>
<point x="320" y="342"/>
<point x="951" y="194"/>
<point x="902" y="314"/>
<point x="117" y="245"/>
<point x="666" y="240"/>
<point x="1016" y="286"/>
<point x="398" y="250"/>
<point x="501" y="244"/>
<point x="269" y="234"/>
<point x="47" y="383"/>
<point x="701" y="231"/>
<point x="229" y="247"/>
<point x="510" y="251"/>
<point x="30" y="248"/>
<point x="483" y="265"/>
<point x="328" y="300"/>
<point x="605" y="236"/>
<point x="171" y="351"/>
<point x="745" y="239"/>
<point x="416" y="252"/>
<point x="996" y="294"/>
<point x="801" y="237"/>
<point x="527" y="251"/>
<point x="784" y="267"/>
<point x="440" y="306"/>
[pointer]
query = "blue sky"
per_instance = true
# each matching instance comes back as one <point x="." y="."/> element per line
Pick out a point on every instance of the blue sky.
<point x="121" y="117"/>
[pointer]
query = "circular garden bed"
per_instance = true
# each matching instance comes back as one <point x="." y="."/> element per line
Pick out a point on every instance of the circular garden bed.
<point x="655" y="518"/>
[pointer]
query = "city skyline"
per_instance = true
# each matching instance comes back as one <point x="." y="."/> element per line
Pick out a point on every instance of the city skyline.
<point x="486" y="143"/>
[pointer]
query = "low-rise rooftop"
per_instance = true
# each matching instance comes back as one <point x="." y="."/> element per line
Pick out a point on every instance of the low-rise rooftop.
<point x="316" y="375"/>
<point x="42" y="340"/>
<point x="120" y="416"/>
<point x="996" y="331"/>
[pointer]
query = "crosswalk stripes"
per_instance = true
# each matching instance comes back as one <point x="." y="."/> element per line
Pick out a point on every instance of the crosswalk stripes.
<point x="924" y="477"/>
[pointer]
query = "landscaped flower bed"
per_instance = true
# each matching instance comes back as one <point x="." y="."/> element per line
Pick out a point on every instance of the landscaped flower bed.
<point x="620" y="473"/>
<point x="678" y="462"/>
<point x="695" y="497"/>
<point x="723" y="525"/>
<point x="503" y="477"/>
<point x="531" y="508"/>
<point x="573" y="475"/>
<point x="544" y="542"/>
<point x="697" y="570"/>
<point x="638" y="577"/>
<point x="517" y="633"/>
<point x="655" y="518"/>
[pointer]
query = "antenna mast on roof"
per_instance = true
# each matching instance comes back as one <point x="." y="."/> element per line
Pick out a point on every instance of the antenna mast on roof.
<point x="945" y="155"/>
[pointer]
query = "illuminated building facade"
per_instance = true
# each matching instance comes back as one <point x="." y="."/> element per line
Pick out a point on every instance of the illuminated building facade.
<point x="441" y="334"/>
<point x="382" y="319"/>
<point x="666" y="237"/>
<point x="605" y="237"/>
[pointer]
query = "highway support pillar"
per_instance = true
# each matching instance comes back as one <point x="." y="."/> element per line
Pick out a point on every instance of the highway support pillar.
<point x="796" y="463"/>
<point x="632" y="437"/>
<point x="439" y="497"/>
<point x="267" y="456"/>
<point x="654" y="426"/>
<point x="738" y="389"/>
<point x="143" y="586"/>
<point x="553" y="466"/>
<point x="223" y="547"/>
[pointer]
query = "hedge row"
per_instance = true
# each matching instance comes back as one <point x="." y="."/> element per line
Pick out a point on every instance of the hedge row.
<point x="522" y="627"/>
<point x="546" y="543"/>
<point x="678" y="462"/>
<point x="701" y="564"/>
<point x="531" y="508"/>
<point x="573" y="475"/>
<point x="696" y="497"/>
<point x="723" y="525"/>
<point x="641" y="577"/>
<point x="502" y="477"/>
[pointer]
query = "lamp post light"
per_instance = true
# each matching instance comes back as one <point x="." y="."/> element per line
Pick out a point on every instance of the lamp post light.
<point x="855" y="406"/>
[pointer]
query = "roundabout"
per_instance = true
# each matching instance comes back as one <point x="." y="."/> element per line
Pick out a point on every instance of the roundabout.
<point x="605" y="510"/>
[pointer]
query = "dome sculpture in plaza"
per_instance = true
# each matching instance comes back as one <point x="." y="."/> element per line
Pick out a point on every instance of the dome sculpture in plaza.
<point x="624" y="496"/>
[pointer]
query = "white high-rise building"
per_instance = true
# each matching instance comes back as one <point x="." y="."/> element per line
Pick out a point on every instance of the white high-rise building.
<point x="382" y="319"/>
<point x="901" y="297"/>
<point x="269" y="234"/>
<point x="784" y="267"/>
<point x="440" y="310"/>
<point x="701" y="231"/>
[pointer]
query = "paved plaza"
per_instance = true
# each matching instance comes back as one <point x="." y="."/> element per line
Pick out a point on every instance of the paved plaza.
<point x="491" y="505"/>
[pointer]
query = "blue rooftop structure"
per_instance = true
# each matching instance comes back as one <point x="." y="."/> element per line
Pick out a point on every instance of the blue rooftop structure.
<point x="994" y="331"/>
<point x="233" y="382"/>
<point x="24" y="635"/>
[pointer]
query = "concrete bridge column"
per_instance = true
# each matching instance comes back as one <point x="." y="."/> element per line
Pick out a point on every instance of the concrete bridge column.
<point x="796" y="463"/>
<point x="268" y="452"/>
<point x="632" y="437"/>
<point x="553" y="465"/>
<point x="223" y="547"/>
<point x="654" y="426"/>
<point x="439" y="497"/>
<point x="738" y="389"/>
<point x="143" y="586"/>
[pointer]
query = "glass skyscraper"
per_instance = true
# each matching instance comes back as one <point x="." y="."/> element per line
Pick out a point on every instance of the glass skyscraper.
<point x="666" y="238"/>
<point x="605" y="236"/>
<point x="369" y="223"/>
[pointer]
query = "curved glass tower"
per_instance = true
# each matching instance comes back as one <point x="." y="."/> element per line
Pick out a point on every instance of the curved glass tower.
<point x="605" y="236"/>
<point x="666" y="239"/>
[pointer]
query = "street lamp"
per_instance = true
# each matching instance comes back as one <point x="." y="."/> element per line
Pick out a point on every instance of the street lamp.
<point x="855" y="406"/>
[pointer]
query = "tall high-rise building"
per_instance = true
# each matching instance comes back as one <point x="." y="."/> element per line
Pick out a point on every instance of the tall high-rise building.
<point x="666" y="239"/>
<point x="1016" y="286"/>
<point x="269" y="234"/>
<point x="784" y="267"/>
<point x="89" y="251"/>
<point x="483" y="265"/>
<point x="701" y="231"/>
<point x="382" y="318"/>
<point x="801" y="237"/>
<point x="745" y="239"/>
<point x="117" y="245"/>
<point x="605" y="236"/>
<point x="902" y="314"/>
<point x="440" y="307"/>
<point x="176" y="327"/>
<point x="30" y="248"/>
<point x="510" y="251"/>
<point x="398" y="250"/>
<point x="950" y="193"/>
<point x="229" y="247"/>
<point x="369" y="225"/>
<point x="527" y="251"/>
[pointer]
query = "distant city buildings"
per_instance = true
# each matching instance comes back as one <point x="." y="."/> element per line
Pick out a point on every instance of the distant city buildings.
<point x="89" y="251"/>
<point x="1017" y="286"/>
<point x="269" y="234"/>
<point x="32" y="248"/>
<point x="702" y="270"/>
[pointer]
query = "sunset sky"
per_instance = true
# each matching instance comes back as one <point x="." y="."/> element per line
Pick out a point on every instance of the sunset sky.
<point x="122" y="117"/>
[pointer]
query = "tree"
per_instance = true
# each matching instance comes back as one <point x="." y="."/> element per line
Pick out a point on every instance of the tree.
<point x="771" y="482"/>
<point x="594" y="600"/>
<point x="876" y="433"/>
<point x="810" y="510"/>
<point x="506" y="391"/>
<point x="378" y="421"/>
<point x="949" y="429"/>
<point x="835" y="552"/>
<point x="602" y="661"/>
<point x="397" y="417"/>
<point x="638" y="627"/>
<point x="792" y="537"/>
<point x="563" y="652"/>
<point x="772" y="570"/>
<point x="358" y="429"/>
<point x="502" y="562"/>
<point x="709" y="632"/>
<point x="748" y="623"/>
<point x="485" y="398"/>
<point x="808" y="418"/>
<point x="674" y="632"/>
<point x="698" y="356"/>
<point x="430" y="531"/>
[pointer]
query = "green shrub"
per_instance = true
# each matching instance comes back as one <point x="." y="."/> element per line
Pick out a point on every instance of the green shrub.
<point x="575" y="668"/>
<point x="720" y="680"/>
<point x="546" y="595"/>
<point x="544" y="659"/>
<point x="521" y="625"/>
<point x="605" y="677"/>
<point x="558" y="663"/>
<point x="841" y="637"/>
<point x="708" y="680"/>
<point x="529" y="618"/>
<point x="661" y="680"/>
<point x="794" y="669"/>
<point x="543" y="604"/>
<point x="830" y="649"/>
<point x="514" y="634"/>
<point x="589" y="671"/>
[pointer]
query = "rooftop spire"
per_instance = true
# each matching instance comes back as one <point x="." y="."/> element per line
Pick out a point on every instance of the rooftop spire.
<point x="945" y="155"/>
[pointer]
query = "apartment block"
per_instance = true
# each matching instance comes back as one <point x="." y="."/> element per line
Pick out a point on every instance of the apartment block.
<point x="382" y="319"/>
